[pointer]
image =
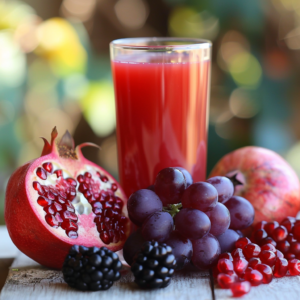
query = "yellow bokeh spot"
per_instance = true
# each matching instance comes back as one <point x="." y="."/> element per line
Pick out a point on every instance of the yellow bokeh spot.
<point x="59" y="43"/>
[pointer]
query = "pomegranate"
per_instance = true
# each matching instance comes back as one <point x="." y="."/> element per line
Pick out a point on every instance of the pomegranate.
<point x="61" y="199"/>
<point x="265" y="179"/>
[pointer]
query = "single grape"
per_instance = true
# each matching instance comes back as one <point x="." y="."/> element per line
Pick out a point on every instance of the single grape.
<point x="205" y="252"/>
<point x="224" y="186"/>
<point x="192" y="223"/>
<point x="169" y="185"/>
<point x="187" y="175"/>
<point x="219" y="218"/>
<point x="182" y="249"/>
<point x="241" y="212"/>
<point x="157" y="227"/>
<point x="200" y="195"/>
<point x="227" y="240"/>
<point x="133" y="245"/>
<point x="142" y="204"/>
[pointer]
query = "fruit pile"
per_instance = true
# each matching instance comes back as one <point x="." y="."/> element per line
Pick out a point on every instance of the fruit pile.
<point x="193" y="218"/>
<point x="273" y="250"/>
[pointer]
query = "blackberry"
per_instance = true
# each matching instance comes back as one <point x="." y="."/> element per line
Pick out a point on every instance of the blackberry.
<point x="91" y="269"/>
<point x="153" y="266"/>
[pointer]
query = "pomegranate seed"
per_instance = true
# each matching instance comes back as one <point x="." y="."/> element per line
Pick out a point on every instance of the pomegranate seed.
<point x="36" y="185"/>
<point x="69" y="215"/>
<point x="123" y="220"/>
<point x="87" y="180"/>
<point x="87" y="194"/>
<point x="259" y="235"/>
<point x="281" y="267"/>
<point x="61" y="200"/>
<point x="225" y="280"/>
<point x="104" y="236"/>
<point x="260" y="225"/>
<point x="279" y="234"/>
<point x="98" y="219"/>
<point x="279" y="254"/>
<point x="104" y="178"/>
<point x="268" y="257"/>
<point x="80" y="178"/>
<point x="69" y="225"/>
<point x="51" y="221"/>
<point x="50" y="196"/>
<point x="58" y="218"/>
<point x="268" y="247"/>
<point x="295" y="247"/>
<point x="296" y="230"/>
<point x="283" y="246"/>
<point x="72" y="234"/>
<point x="237" y="253"/>
<point x="114" y="187"/>
<point x="48" y="167"/>
<point x="71" y="181"/>
<point x="288" y="223"/>
<point x="254" y="277"/>
<point x="268" y="240"/>
<point x="251" y="250"/>
<point x="58" y="173"/>
<point x="57" y="206"/>
<point x="83" y="187"/>
<point x="294" y="267"/>
<point x="43" y="202"/>
<point x="50" y="209"/>
<point x="240" y="265"/>
<point x="290" y="238"/>
<point x="225" y="265"/>
<point x="87" y="175"/>
<point x="54" y="192"/>
<point x="41" y="173"/>
<point x="253" y="262"/>
<point x="270" y="226"/>
<point x="290" y="256"/>
<point x="266" y="272"/>
<point x="242" y="242"/>
<point x="71" y="193"/>
<point x="116" y="207"/>
<point x="239" y="289"/>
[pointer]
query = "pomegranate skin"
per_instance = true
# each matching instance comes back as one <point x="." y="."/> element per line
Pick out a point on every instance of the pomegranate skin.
<point x="29" y="230"/>
<point x="268" y="182"/>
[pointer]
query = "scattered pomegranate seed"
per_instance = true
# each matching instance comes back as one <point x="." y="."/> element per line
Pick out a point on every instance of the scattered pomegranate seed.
<point x="242" y="242"/>
<point x="253" y="262"/>
<point x="279" y="234"/>
<point x="290" y="238"/>
<point x="290" y="256"/>
<point x="239" y="289"/>
<point x="237" y="253"/>
<point x="41" y="173"/>
<point x="48" y="167"/>
<point x="58" y="173"/>
<point x="267" y="257"/>
<point x="294" y="267"/>
<point x="279" y="254"/>
<point x="259" y="235"/>
<point x="283" y="246"/>
<point x="268" y="247"/>
<point x="254" y="277"/>
<point x="104" y="178"/>
<point x="270" y="226"/>
<point x="288" y="223"/>
<point x="268" y="240"/>
<point x="296" y="230"/>
<point x="225" y="280"/>
<point x="266" y="272"/>
<point x="240" y="265"/>
<point x="251" y="250"/>
<point x="260" y="225"/>
<point x="281" y="267"/>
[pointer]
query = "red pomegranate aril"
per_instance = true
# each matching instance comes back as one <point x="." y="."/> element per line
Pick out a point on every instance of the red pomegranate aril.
<point x="279" y="254"/>
<point x="294" y="267"/>
<point x="61" y="200"/>
<point x="69" y="215"/>
<point x="225" y="265"/>
<point x="254" y="277"/>
<point x="270" y="226"/>
<point x="225" y="280"/>
<point x="288" y="223"/>
<point x="50" y="219"/>
<point x="283" y="246"/>
<point x="281" y="267"/>
<point x="290" y="256"/>
<point x="37" y="186"/>
<point x="105" y="237"/>
<point x="104" y="178"/>
<point x="43" y="201"/>
<point x="58" y="173"/>
<point x="71" y="194"/>
<point x="87" y="175"/>
<point x="251" y="250"/>
<point x="239" y="289"/>
<point x="83" y="187"/>
<point x="123" y="220"/>
<point x="58" y="218"/>
<point x="260" y="225"/>
<point x="268" y="247"/>
<point x="57" y="206"/>
<point x="268" y="257"/>
<point x="266" y="272"/>
<point x="240" y="265"/>
<point x="50" y="209"/>
<point x="114" y="187"/>
<point x="296" y="230"/>
<point x="268" y="240"/>
<point x="279" y="234"/>
<point x="69" y="225"/>
<point x="295" y="247"/>
<point x="242" y="242"/>
<point x="48" y="167"/>
<point x="253" y="262"/>
<point x="53" y="191"/>
<point x="41" y="173"/>
<point x="87" y="194"/>
<point x="226" y="255"/>
<point x="80" y="178"/>
<point x="68" y="207"/>
<point x="72" y="234"/>
<point x="290" y="238"/>
<point x="71" y="181"/>
<point x="259" y="235"/>
<point x="50" y="196"/>
<point x="237" y="253"/>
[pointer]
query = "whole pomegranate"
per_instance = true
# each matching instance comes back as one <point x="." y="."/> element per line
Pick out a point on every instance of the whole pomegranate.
<point x="61" y="199"/>
<point x="265" y="179"/>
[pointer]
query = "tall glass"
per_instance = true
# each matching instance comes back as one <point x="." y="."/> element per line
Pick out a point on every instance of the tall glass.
<point x="162" y="97"/>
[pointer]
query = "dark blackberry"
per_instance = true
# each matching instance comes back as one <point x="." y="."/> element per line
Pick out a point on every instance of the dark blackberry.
<point x="153" y="266"/>
<point x="91" y="269"/>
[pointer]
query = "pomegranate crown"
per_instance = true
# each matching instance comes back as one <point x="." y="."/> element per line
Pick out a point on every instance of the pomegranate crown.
<point x="65" y="147"/>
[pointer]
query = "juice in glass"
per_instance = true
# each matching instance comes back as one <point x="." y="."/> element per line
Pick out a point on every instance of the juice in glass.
<point x="162" y="114"/>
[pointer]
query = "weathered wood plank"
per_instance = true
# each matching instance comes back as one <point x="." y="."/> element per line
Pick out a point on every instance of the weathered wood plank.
<point x="280" y="288"/>
<point x="28" y="280"/>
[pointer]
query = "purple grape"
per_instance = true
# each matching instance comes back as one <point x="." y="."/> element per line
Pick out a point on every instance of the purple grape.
<point x="227" y="240"/>
<point x="192" y="223"/>
<point x="219" y="218"/>
<point x="169" y="185"/>
<point x="241" y="212"/>
<point x="142" y="204"/>
<point x="157" y="227"/>
<point x="132" y="246"/>
<point x="187" y="175"/>
<point x="224" y="186"/>
<point x="182" y="249"/>
<point x="200" y="195"/>
<point x="206" y="252"/>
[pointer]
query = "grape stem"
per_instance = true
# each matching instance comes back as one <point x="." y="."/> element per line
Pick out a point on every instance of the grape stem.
<point x="173" y="209"/>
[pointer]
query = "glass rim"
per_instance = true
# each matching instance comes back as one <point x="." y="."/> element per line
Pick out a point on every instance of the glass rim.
<point x="140" y="43"/>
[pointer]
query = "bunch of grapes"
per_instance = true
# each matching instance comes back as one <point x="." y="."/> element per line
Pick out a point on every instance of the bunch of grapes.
<point x="198" y="220"/>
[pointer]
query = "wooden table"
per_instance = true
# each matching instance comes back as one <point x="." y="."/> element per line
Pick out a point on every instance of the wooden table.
<point x="28" y="280"/>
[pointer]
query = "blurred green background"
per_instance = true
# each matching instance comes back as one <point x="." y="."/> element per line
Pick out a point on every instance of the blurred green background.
<point x="55" y="70"/>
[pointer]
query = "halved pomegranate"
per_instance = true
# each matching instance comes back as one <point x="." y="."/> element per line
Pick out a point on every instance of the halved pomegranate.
<point x="61" y="199"/>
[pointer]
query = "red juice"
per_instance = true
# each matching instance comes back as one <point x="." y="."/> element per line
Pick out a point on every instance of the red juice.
<point x="162" y="118"/>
